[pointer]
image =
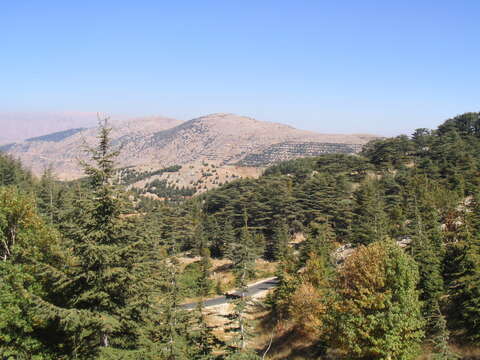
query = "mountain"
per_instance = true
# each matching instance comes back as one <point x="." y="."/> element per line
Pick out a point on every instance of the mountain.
<point x="62" y="150"/>
<point x="154" y="143"/>
<point x="17" y="126"/>
<point x="55" y="137"/>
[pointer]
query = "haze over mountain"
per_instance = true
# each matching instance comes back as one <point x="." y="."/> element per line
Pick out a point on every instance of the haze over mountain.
<point x="18" y="126"/>
<point x="157" y="142"/>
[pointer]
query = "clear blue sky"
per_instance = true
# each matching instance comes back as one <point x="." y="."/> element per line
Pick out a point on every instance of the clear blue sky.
<point x="333" y="66"/>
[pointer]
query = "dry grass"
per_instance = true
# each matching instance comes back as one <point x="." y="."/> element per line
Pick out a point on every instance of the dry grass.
<point x="265" y="269"/>
<point x="184" y="261"/>
<point x="285" y="342"/>
<point x="219" y="318"/>
<point x="222" y="272"/>
<point x="467" y="352"/>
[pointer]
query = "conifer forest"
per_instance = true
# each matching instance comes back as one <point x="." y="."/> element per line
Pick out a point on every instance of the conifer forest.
<point x="375" y="256"/>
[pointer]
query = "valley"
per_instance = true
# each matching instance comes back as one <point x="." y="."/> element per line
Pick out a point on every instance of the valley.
<point x="335" y="256"/>
<point x="239" y="180"/>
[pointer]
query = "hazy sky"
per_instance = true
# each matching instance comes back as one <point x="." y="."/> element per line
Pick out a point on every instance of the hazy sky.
<point x="382" y="67"/>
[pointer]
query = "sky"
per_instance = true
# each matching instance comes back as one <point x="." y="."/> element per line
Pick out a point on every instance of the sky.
<point x="381" y="67"/>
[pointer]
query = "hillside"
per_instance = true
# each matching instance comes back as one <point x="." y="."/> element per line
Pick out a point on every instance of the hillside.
<point x="366" y="249"/>
<point x="62" y="150"/>
<point x="150" y="144"/>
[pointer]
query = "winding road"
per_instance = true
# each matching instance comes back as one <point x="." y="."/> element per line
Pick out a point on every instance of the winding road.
<point x="252" y="290"/>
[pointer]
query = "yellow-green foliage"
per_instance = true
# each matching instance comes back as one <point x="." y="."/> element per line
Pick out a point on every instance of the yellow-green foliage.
<point x="378" y="311"/>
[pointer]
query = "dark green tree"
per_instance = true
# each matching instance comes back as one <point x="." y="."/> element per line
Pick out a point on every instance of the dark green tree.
<point x="466" y="288"/>
<point x="216" y="237"/>
<point x="319" y="241"/>
<point x="440" y="339"/>
<point x="243" y="255"/>
<point x="277" y="243"/>
<point x="110" y="287"/>
<point x="369" y="222"/>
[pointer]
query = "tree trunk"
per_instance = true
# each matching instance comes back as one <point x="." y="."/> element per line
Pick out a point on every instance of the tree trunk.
<point x="104" y="340"/>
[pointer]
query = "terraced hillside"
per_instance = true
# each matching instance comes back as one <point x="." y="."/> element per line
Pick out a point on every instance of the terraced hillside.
<point x="291" y="150"/>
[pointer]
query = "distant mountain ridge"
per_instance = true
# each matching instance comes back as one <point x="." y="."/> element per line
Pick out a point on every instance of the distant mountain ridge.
<point x="156" y="142"/>
<point x="56" y="136"/>
<point x="18" y="126"/>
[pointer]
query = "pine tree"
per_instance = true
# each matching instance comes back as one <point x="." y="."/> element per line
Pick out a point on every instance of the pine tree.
<point x="431" y="281"/>
<point x="205" y="284"/>
<point x="111" y="285"/>
<point x="288" y="281"/>
<point x="13" y="173"/>
<point x="427" y="250"/>
<point x="319" y="241"/>
<point x="202" y="340"/>
<point x="464" y="273"/>
<point x="369" y="222"/>
<point x="243" y="256"/>
<point x="203" y="343"/>
<point x="440" y="338"/>
<point x="467" y="288"/>
<point x="47" y="194"/>
<point x="216" y="238"/>
<point x="326" y="196"/>
<point x="279" y="241"/>
<point x="172" y="327"/>
<point x="229" y="237"/>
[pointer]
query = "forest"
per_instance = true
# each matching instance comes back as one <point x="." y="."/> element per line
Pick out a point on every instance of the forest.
<point x="387" y="265"/>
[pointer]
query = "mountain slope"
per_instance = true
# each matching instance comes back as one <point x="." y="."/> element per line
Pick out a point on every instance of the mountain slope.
<point x="154" y="143"/>
<point x="63" y="156"/>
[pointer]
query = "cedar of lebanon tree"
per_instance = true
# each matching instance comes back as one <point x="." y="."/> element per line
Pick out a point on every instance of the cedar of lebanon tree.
<point x="112" y="283"/>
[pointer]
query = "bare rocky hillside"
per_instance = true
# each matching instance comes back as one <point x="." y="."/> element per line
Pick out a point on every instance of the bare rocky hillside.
<point x="154" y="143"/>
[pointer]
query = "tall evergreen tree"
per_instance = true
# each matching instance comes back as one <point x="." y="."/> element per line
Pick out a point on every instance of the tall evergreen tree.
<point x="216" y="238"/>
<point x="202" y="340"/>
<point x="280" y="239"/>
<point x="427" y="249"/>
<point x="229" y="237"/>
<point x="369" y="222"/>
<point x="243" y="255"/>
<point x="112" y="282"/>
<point x="440" y="339"/>
<point x="466" y="287"/>
<point x="288" y="281"/>
<point x="319" y="241"/>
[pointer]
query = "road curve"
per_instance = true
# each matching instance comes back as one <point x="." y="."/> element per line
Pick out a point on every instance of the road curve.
<point x="251" y="290"/>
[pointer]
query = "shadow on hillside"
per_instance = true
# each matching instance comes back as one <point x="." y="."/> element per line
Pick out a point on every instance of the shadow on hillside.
<point x="289" y="345"/>
<point x="286" y="342"/>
